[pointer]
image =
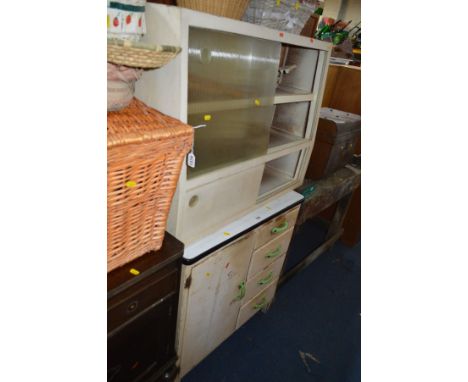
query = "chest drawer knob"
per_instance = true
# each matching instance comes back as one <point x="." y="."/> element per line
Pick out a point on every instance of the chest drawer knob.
<point x="266" y="280"/>
<point x="281" y="228"/>
<point x="261" y="304"/>
<point x="275" y="253"/>
<point x="241" y="293"/>
<point x="132" y="306"/>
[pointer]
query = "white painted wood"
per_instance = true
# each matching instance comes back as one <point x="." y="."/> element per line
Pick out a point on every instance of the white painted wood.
<point x="162" y="88"/>
<point x="186" y="272"/>
<point x="281" y="173"/>
<point x="301" y="79"/>
<point x="273" y="153"/>
<point x="314" y="112"/>
<point x="278" y="191"/>
<point x="226" y="197"/>
<point x="291" y="118"/>
<point x="211" y="307"/>
<point x="265" y="233"/>
<point x="272" y="181"/>
<point x="166" y="89"/>
<point x="244" y="223"/>
<point x="250" y="308"/>
<point x="280" y="140"/>
<point x="261" y="258"/>
<point x="259" y="282"/>
<point x="212" y="303"/>
<point x="287" y="95"/>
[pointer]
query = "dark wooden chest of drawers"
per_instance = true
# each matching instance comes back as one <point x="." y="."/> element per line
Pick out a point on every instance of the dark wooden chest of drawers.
<point x="142" y="300"/>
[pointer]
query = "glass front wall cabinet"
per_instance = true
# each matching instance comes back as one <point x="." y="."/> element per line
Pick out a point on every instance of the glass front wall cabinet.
<point x="231" y="88"/>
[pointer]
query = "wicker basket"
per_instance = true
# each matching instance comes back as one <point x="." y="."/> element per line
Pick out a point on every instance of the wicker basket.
<point x="138" y="54"/>
<point x="145" y="150"/>
<point x="233" y="9"/>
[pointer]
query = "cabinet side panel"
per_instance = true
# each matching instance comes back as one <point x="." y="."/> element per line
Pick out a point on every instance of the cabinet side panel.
<point x="162" y="88"/>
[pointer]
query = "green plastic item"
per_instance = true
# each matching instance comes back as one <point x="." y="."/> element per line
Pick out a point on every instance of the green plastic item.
<point x="261" y="304"/>
<point x="274" y="253"/>
<point x="241" y="293"/>
<point x="319" y="11"/>
<point x="266" y="280"/>
<point x="309" y="190"/>
<point x="283" y="227"/>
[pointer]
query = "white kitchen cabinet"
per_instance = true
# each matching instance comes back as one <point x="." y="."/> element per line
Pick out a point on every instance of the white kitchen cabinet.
<point x="255" y="92"/>
<point x="223" y="288"/>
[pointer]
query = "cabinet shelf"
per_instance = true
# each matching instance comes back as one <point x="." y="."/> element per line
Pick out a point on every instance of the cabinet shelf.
<point x="278" y="138"/>
<point x="273" y="179"/>
<point x="287" y="95"/>
<point x="280" y="141"/>
<point x="280" y="173"/>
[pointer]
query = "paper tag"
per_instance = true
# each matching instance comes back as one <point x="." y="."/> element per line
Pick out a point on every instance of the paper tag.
<point x="191" y="159"/>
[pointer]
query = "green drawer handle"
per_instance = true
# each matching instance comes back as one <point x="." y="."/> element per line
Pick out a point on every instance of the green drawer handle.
<point x="261" y="304"/>
<point x="283" y="227"/>
<point x="266" y="280"/>
<point x="241" y="293"/>
<point x="274" y="253"/>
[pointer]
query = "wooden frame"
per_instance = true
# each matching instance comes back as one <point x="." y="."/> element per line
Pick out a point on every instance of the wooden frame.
<point x="166" y="89"/>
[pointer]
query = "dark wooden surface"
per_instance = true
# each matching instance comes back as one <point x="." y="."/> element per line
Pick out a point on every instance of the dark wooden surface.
<point x="335" y="144"/>
<point x="352" y="221"/>
<point x="334" y="193"/>
<point x="327" y="192"/>
<point x="142" y="303"/>
<point x="343" y="89"/>
<point x="122" y="277"/>
<point x="343" y="92"/>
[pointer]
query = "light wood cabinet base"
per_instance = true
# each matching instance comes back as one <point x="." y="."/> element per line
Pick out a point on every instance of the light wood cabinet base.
<point x="224" y="289"/>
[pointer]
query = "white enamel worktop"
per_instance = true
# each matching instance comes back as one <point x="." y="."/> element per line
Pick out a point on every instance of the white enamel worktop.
<point x="242" y="224"/>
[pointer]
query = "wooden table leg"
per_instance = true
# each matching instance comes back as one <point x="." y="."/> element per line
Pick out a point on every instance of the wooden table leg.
<point x="337" y="221"/>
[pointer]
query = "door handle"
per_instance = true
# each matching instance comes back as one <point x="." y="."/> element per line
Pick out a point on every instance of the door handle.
<point x="266" y="280"/>
<point x="241" y="293"/>
<point x="261" y="304"/>
<point x="274" y="253"/>
<point x="283" y="227"/>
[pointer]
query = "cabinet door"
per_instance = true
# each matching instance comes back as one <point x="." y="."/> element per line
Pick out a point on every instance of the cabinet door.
<point x="214" y="204"/>
<point x="214" y="300"/>
<point x="231" y="85"/>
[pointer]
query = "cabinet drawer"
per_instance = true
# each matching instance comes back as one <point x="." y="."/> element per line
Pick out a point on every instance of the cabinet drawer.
<point x="144" y="345"/>
<point x="276" y="227"/>
<point x="263" y="279"/>
<point x="126" y="305"/>
<point x="270" y="252"/>
<point x="259" y="302"/>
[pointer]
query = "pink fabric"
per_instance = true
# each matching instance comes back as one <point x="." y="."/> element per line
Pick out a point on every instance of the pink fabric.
<point x="124" y="73"/>
<point x="120" y="85"/>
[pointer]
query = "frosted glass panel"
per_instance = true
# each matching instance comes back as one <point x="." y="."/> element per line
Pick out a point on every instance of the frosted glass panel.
<point x="231" y="85"/>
